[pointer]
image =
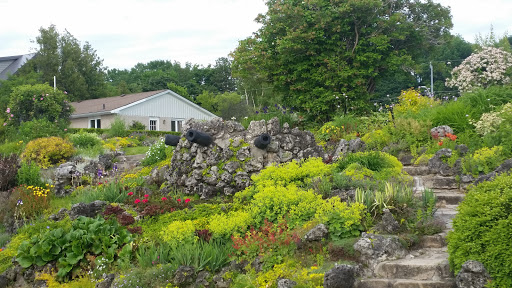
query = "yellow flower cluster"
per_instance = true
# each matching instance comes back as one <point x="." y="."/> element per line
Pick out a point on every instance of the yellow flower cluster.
<point x="40" y="191"/>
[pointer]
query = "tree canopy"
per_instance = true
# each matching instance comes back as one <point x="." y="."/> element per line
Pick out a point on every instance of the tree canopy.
<point x="78" y="69"/>
<point x="314" y="51"/>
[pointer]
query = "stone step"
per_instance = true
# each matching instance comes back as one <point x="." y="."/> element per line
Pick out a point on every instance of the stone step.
<point x="432" y="241"/>
<point x="429" y="264"/>
<point x="416" y="170"/>
<point x="449" y="197"/>
<point x="440" y="182"/>
<point x="405" y="283"/>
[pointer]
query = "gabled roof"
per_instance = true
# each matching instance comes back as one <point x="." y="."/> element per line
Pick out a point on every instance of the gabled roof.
<point x="113" y="105"/>
<point x="10" y="64"/>
<point x="106" y="105"/>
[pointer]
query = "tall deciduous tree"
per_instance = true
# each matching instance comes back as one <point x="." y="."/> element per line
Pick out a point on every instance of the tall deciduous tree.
<point x="78" y="69"/>
<point x="312" y="51"/>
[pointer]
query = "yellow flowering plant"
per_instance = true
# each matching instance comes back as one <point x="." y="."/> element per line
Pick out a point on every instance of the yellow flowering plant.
<point x="29" y="202"/>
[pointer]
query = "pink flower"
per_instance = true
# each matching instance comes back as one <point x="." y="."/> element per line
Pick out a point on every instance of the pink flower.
<point x="8" y="110"/>
<point x="65" y="92"/>
<point x="12" y="115"/>
<point x="146" y="196"/>
<point x="187" y="200"/>
<point x="66" y="129"/>
<point x="5" y="123"/>
<point x="130" y="193"/>
<point x="145" y="200"/>
<point x="164" y="198"/>
<point x="179" y="200"/>
<point x="41" y="98"/>
<point x="137" y="201"/>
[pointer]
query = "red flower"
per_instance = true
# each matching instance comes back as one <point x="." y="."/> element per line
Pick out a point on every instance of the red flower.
<point x="146" y="196"/>
<point x="145" y="200"/>
<point x="136" y="201"/>
<point x="179" y="200"/>
<point x="440" y="143"/>
<point x="130" y="194"/>
<point x="164" y="198"/>
<point x="187" y="200"/>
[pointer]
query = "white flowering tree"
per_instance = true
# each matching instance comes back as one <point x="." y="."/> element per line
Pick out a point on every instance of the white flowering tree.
<point x="491" y="66"/>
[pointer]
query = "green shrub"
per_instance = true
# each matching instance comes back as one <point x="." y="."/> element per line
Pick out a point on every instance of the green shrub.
<point x="85" y="140"/>
<point x="156" y="276"/>
<point x="374" y="164"/>
<point x="483" y="161"/>
<point x="117" y="128"/>
<point x="29" y="174"/>
<point x="297" y="173"/>
<point x="343" y="220"/>
<point x="37" y="128"/>
<point x="9" y="148"/>
<point x="69" y="247"/>
<point x="272" y="203"/>
<point x="481" y="227"/>
<point x="377" y="139"/>
<point x="47" y="152"/>
<point x="137" y="125"/>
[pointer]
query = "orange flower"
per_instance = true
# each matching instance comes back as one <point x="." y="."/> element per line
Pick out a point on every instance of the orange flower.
<point x="440" y="143"/>
<point x="453" y="137"/>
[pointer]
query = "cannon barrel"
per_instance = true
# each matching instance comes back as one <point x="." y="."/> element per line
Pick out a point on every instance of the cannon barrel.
<point x="172" y="140"/>
<point x="198" y="137"/>
<point x="262" y="141"/>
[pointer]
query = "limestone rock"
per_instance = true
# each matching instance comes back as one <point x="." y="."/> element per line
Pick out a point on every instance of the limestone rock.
<point x="88" y="210"/>
<point x="388" y="223"/>
<point x="341" y="276"/>
<point x="107" y="282"/>
<point x="440" y="131"/>
<point x="286" y="283"/>
<point x="472" y="275"/>
<point x="318" y="233"/>
<point x="185" y="275"/>
<point x="376" y="248"/>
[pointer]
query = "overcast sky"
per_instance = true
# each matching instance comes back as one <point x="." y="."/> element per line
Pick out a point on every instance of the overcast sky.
<point x="127" y="32"/>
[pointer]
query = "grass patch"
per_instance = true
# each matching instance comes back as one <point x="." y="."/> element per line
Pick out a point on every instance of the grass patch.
<point x="135" y="150"/>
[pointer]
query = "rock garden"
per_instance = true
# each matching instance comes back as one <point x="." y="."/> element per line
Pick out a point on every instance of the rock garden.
<point x="415" y="196"/>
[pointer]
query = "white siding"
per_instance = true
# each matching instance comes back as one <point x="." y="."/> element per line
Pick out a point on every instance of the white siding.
<point x="167" y="106"/>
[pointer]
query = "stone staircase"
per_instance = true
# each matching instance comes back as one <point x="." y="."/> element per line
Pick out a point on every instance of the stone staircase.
<point x="128" y="162"/>
<point x="427" y="266"/>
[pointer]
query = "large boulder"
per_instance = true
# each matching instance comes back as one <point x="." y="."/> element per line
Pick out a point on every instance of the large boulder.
<point x="377" y="248"/>
<point x="472" y="275"/>
<point x="341" y="276"/>
<point x="185" y="275"/>
<point x="318" y="233"/>
<point x="388" y="224"/>
<point x="86" y="209"/>
<point x="64" y="175"/>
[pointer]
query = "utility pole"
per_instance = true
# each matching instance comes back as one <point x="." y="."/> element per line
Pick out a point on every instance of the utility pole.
<point x="431" y="80"/>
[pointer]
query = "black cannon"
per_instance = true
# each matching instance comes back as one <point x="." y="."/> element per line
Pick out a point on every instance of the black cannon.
<point x="172" y="140"/>
<point x="198" y="137"/>
<point x="262" y="141"/>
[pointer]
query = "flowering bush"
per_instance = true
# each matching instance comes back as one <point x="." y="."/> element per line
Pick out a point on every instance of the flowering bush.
<point x="330" y="132"/>
<point x="343" y="220"/>
<point x="179" y="232"/>
<point x="156" y="153"/>
<point x="29" y="202"/>
<point x="483" y="160"/>
<point x="490" y="122"/>
<point x="117" y="143"/>
<point x="491" y="66"/>
<point x="47" y="152"/>
<point x="272" y="241"/>
<point x="411" y="101"/>
<point x="376" y="139"/>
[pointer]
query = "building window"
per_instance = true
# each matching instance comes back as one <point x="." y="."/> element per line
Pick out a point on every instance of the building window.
<point x="153" y="124"/>
<point x="95" y="123"/>
<point x="176" y="125"/>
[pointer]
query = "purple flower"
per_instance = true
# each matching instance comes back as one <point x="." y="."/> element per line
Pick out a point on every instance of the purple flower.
<point x="100" y="173"/>
<point x="257" y="112"/>
<point x="115" y="167"/>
